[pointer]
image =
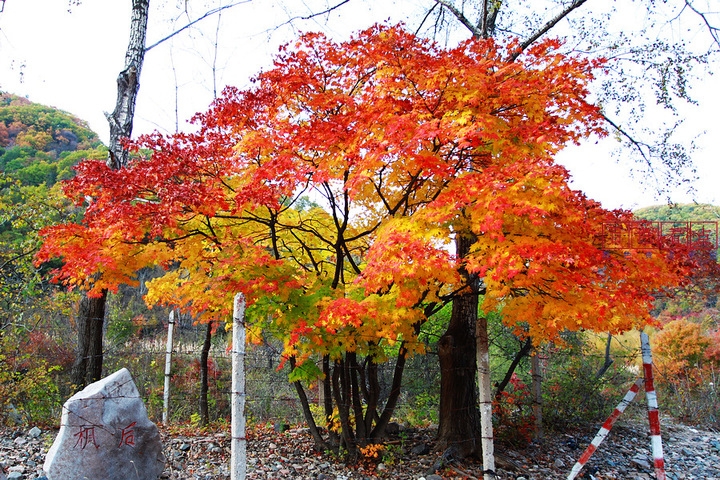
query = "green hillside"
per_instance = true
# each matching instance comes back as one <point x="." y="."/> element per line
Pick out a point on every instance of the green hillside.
<point x="40" y="144"/>
<point x="689" y="212"/>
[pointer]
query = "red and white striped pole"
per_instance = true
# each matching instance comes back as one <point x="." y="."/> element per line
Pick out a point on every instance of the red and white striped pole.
<point x="605" y="429"/>
<point x="653" y="412"/>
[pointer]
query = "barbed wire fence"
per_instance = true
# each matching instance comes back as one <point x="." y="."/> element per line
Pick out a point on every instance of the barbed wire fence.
<point x="569" y="372"/>
<point x="270" y="395"/>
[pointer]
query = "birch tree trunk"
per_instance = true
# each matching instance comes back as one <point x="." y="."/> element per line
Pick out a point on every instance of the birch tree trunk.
<point x="121" y="119"/>
<point x="91" y="312"/>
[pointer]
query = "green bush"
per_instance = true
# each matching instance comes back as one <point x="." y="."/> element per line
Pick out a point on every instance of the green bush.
<point x="573" y="393"/>
<point x="28" y="389"/>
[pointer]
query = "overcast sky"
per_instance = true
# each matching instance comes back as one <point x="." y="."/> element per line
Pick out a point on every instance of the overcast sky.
<point x="70" y="60"/>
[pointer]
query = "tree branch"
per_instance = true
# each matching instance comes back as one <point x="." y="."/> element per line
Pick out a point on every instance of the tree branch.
<point x="207" y="14"/>
<point x="313" y="15"/>
<point x="476" y="32"/>
<point x="547" y="27"/>
<point x="714" y="31"/>
<point x="522" y="353"/>
<point x="635" y="143"/>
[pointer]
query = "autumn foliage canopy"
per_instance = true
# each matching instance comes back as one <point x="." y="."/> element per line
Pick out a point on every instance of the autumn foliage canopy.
<point x="330" y="191"/>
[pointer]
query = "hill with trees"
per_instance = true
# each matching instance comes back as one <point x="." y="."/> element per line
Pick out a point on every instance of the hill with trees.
<point x="687" y="346"/>
<point x="41" y="144"/>
<point x="687" y="212"/>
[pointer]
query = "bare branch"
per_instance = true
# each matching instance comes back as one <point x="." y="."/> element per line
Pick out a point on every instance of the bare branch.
<point x="547" y="27"/>
<point x="638" y="145"/>
<point x="476" y="32"/>
<point x="714" y="31"/>
<point x="313" y="15"/>
<point x="427" y="15"/>
<point x="207" y="14"/>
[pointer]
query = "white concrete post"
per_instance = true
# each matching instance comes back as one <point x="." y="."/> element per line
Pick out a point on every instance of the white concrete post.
<point x="168" y="364"/>
<point x="485" y="390"/>
<point x="238" y="446"/>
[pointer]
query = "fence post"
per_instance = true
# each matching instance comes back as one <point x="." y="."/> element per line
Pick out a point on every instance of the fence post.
<point x="238" y="446"/>
<point x="653" y="412"/>
<point x="168" y="363"/>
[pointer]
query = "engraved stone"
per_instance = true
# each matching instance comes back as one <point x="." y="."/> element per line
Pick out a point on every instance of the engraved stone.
<point x="105" y="433"/>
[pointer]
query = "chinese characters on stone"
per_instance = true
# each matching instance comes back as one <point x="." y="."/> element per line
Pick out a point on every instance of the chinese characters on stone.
<point x="86" y="436"/>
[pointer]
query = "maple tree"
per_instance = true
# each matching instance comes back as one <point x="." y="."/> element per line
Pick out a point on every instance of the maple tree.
<point x="643" y="59"/>
<point x="329" y="194"/>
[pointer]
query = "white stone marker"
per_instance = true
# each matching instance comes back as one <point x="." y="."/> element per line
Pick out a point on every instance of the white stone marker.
<point x="105" y="433"/>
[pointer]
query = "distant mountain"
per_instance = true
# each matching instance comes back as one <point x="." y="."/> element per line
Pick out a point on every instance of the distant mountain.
<point x="40" y="144"/>
<point x="690" y="212"/>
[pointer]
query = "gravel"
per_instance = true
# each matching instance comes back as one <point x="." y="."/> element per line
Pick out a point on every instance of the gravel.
<point x="690" y="453"/>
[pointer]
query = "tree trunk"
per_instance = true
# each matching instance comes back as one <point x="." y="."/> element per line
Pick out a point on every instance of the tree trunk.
<point x="341" y="395"/>
<point x="361" y="433"/>
<point x="121" y="120"/>
<point x="393" y="397"/>
<point x="333" y="436"/>
<point x="459" y="428"/>
<point x="320" y="444"/>
<point x="89" y="354"/>
<point x="88" y="364"/>
<point x="204" y="355"/>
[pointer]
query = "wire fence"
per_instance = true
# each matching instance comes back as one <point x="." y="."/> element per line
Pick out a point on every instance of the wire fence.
<point x="271" y="397"/>
<point x="573" y="390"/>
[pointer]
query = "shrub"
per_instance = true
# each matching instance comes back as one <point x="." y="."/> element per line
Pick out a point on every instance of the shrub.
<point x="687" y="360"/>
<point x="573" y="392"/>
<point x="28" y="390"/>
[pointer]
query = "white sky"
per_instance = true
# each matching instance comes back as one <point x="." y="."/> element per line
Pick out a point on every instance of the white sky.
<point x="70" y="60"/>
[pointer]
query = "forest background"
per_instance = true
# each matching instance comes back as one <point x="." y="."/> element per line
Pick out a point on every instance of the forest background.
<point x="39" y="152"/>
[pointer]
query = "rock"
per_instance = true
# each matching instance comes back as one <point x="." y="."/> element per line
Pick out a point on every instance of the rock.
<point x="422" y="449"/>
<point x="641" y="462"/>
<point x="34" y="432"/>
<point x="393" y="428"/>
<point x="13" y="416"/>
<point x="105" y="433"/>
<point x="433" y="477"/>
<point x="15" y="476"/>
<point x="280" y="427"/>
